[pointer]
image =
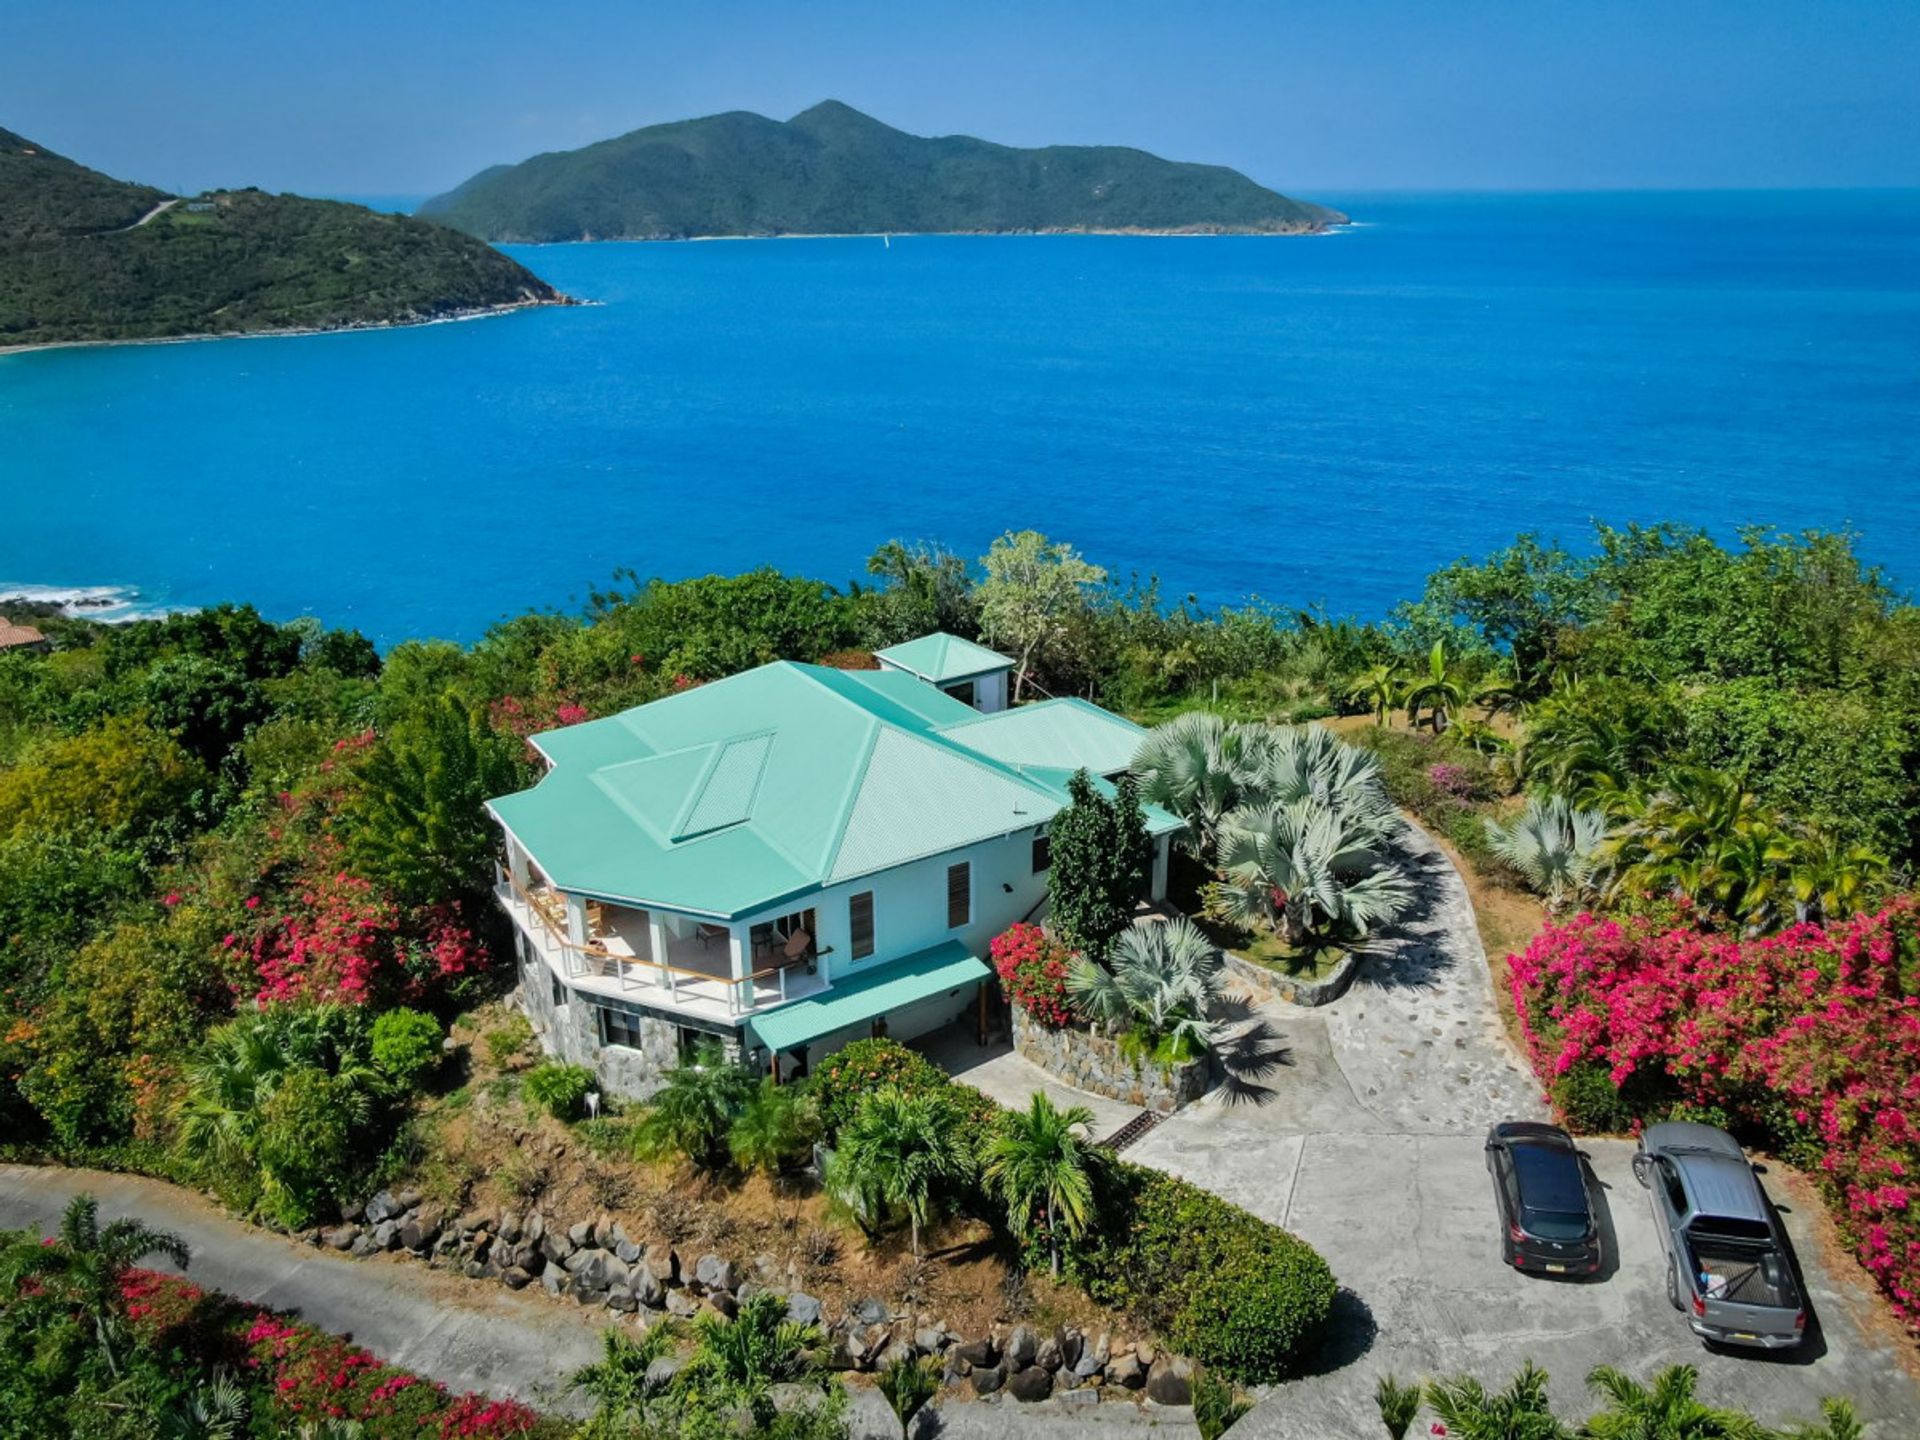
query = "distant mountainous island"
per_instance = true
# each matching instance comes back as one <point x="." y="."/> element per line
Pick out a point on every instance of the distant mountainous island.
<point x="832" y="170"/>
<point x="86" y="257"/>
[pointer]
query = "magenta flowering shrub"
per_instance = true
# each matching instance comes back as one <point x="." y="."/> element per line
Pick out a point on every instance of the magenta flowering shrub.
<point x="1455" y="780"/>
<point x="1809" y="1038"/>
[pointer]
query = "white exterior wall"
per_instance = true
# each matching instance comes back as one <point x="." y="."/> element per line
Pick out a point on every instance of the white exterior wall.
<point x="910" y="905"/>
<point x="990" y="692"/>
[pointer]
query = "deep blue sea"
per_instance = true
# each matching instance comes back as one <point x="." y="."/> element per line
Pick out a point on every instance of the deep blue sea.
<point x="1316" y="421"/>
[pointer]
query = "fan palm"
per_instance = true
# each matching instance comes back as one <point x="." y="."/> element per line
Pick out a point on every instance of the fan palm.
<point x="215" y="1409"/>
<point x="1041" y="1163"/>
<point x="899" y="1152"/>
<point x="1664" y="1410"/>
<point x="1161" y="988"/>
<point x="1200" y="767"/>
<point x="692" y="1113"/>
<point x="1297" y="867"/>
<point x="83" y="1263"/>
<point x="1440" y="690"/>
<point x="1519" y="1412"/>
<point x="1311" y="763"/>
<point x="1553" y="844"/>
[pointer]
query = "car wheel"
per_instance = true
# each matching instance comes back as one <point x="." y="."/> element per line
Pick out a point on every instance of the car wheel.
<point x="1673" y="1285"/>
<point x="1641" y="1164"/>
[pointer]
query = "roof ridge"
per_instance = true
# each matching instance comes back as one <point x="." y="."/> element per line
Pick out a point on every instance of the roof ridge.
<point x="850" y="796"/>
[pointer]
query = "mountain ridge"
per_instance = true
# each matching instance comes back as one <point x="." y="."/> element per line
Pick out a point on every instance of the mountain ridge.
<point x="85" y="257"/>
<point x="833" y="170"/>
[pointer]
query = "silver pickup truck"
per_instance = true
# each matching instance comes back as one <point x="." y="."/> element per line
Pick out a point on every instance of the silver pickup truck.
<point x="1727" y="1263"/>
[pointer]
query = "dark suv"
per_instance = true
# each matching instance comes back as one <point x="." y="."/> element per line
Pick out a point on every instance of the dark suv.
<point x="1547" y="1222"/>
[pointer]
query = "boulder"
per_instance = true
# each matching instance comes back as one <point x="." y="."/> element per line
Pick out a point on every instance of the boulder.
<point x="681" y="1305"/>
<point x="384" y="1205"/>
<point x="1022" y="1346"/>
<point x="626" y="1250"/>
<point x="473" y="1220"/>
<point x="1072" y="1343"/>
<point x="603" y="1235"/>
<point x="585" y="1293"/>
<point x="662" y="1263"/>
<point x="721" y="1302"/>
<point x="647" y="1290"/>
<point x="711" y="1272"/>
<point x="1125" y="1369"/>
<point x="768" y="1270"/>
<point x="802" y="1308"/>
<point x="422" y="1227"/>
<point x="930" y="1340"/>
<point x="1030" y="1384"/>
<point x="660" y="1372"/>
<point x="956" y="1371"/>
<point x="581" y="1234"/>
<point x="509" y="1227"/>
<point x="894" y="1352"/>
<point x="386" y="1235"/>
<point x="1047" y="1356"/>
<point x="869" y="1312"/>
<point x="556" y="1247"/>
<point x="1093" y="1355"/>
<point x="978" y="1352"/>
<point x="515" y="1277"/>
<point x="1085" y="1395"/>
<point x="1170" y="1381"/>
<point x="553" y="1280"/>
<point x="621" y="1298"/>
<point x="357" y="1210"/>
<point x="534" y="1228"/>
<point x="407" y="1199"/>
<point x="986" y="1379"/>
<point x="1146" y="1351"/>
<point x="340" y="1236"/>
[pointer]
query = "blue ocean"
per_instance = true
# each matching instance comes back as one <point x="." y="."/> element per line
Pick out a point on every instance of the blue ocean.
<point x="1318" y="422"/>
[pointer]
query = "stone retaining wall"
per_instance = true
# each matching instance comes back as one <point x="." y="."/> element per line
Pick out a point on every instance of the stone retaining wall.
<point x="1095" y="1063"/>
<point x="1266" y="984"/>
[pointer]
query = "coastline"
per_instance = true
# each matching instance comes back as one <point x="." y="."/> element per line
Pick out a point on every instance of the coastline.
<point x="479" y="312"/>
<point x="1190" y="232"/>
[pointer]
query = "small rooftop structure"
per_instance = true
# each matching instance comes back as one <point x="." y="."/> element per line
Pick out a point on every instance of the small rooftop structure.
<point x="19" y="637"/>
<point x="972" y="674"/>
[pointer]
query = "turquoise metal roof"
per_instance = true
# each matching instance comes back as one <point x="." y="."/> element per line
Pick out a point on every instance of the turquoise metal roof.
<point x="941" y="658"/>
<point x="730" y="797"/>
<point x="860" y="999"/>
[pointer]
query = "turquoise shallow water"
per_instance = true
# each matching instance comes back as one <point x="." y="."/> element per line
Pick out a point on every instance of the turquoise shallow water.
<point x="1313" y="420"/>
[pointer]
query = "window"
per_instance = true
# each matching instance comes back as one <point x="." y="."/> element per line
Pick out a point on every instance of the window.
<point x="772" y="941"/>
<point x="1042" y="851"/>
<point x="860" y="923"/>
<point x="559" y="990"/>
<point x="617" y="1027"/>
<point x="963" y="692"/>
<point x="688" y="1043"/>
<point x="959" y="894"/>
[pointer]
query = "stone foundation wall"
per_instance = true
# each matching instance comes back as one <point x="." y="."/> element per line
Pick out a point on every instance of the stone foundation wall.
<point x="570" y="1031"/>
<point x="1095" y="1063"/>
<point x="1265" y="984"/>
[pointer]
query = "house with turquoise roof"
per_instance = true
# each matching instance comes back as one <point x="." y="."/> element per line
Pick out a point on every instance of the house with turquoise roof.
<point x="789" y="859"/>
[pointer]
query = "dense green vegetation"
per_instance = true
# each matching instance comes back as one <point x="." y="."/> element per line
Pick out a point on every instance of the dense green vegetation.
<point x="75" y="264"/>
<point x="833" y="171"/>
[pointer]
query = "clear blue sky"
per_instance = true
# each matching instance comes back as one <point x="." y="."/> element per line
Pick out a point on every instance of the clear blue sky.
<point x="402" y="96"/>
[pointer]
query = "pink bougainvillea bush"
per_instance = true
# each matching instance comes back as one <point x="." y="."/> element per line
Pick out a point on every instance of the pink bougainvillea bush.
<point x="1807" y="1041"/>
<point x="1032" y="965"/>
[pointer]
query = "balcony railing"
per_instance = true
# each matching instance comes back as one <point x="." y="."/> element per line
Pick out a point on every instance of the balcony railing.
<point x="651" y="973"/>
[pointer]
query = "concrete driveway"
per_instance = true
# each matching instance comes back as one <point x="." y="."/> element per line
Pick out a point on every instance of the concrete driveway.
<point x="1364" y="1134"/>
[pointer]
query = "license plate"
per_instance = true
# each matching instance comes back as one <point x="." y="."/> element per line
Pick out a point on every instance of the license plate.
<point x="1553" y="1269"/>
<point x="1743" y="1335"/>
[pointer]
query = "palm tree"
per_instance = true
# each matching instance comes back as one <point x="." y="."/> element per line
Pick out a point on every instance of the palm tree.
<point x="1664" y="1410"/>
<point x="1440" y="690"/>
<point x="1554" y="846"/>
<point x="1200" y="768"/>
<point x="83" y="1264"/>
<point x="1399" y="1406"/>
<point x="1162" y="987"/>
<point x="1830" y="878"/>
<point x="1311" y="763"/>
<point x="619" y="1383"/>
<point x="1295" y="867"/>
<point x="692" y="1114"/>
<point x="774" y="1130"/>
<point x="742" y="1359"/>
<point x="1838" y="1422"/>
<point x="909" y="1382"/>
<point x="898" y="1152"/>
<point x="215" y="1409"/>
<point x="1520" y="1412"/>
<point x="1380" y="686"/>
<point x="1041" y="1163"/>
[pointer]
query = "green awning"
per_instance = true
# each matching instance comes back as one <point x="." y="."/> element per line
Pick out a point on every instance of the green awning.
<point x="863" y="998"/>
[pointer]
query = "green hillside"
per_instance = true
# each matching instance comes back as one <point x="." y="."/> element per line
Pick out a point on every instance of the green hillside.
<point x="832" y="170"/>
<point x="78" y="263"/>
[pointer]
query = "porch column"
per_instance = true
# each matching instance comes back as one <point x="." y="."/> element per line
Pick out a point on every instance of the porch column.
<point x="517" y="863"/>
<point x="577" y="919"/>
<point x="657" y="936"/>
<point x="1160" y="855"/>
<point x="741" y="954"/>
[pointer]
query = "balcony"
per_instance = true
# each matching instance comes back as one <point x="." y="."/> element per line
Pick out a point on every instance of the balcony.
<point x="693" y="974"/>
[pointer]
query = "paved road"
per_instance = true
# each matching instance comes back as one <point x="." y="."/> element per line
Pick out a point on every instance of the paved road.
<point x="1366" y="1140"/>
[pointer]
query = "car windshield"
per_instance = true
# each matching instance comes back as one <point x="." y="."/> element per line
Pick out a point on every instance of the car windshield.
<point x="1554" y="1224"/>
<point x="1550" y="1182"/>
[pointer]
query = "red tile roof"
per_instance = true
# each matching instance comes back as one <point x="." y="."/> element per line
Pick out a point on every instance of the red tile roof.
<point x="12" y="635"/>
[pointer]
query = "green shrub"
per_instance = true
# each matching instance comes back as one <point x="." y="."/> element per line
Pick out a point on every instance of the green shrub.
<point x="560" y="1090"/>
<point x="508" y="1041"/>
<point x="1217" y="1283"/>
<point x="406" y="1045"/>
<point x="1591" y="1102"/>
<point x="845" y="1078"/>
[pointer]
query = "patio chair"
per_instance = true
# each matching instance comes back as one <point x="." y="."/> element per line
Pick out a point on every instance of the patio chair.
<point x="707" y="934"/>
<point x="799" y="947"/>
